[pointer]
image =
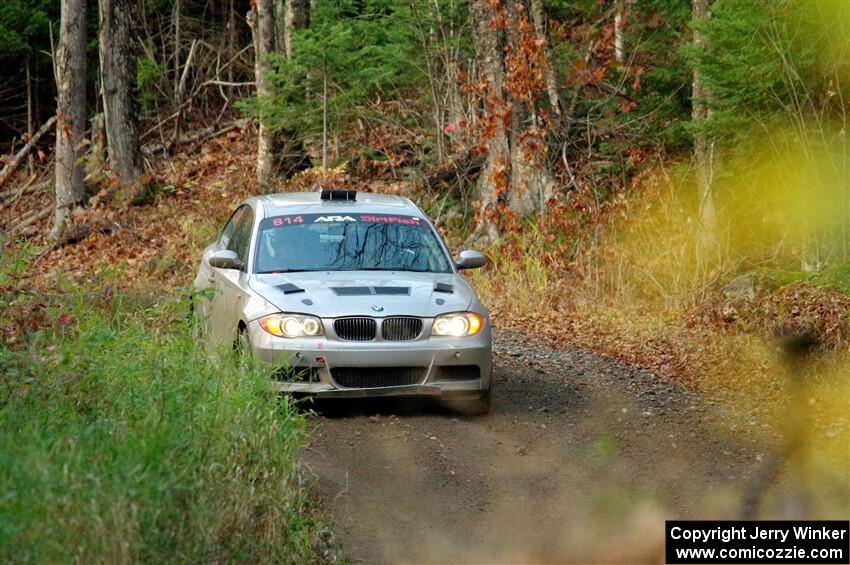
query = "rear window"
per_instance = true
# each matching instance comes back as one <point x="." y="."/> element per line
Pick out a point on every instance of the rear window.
<point x="350" y="242"/>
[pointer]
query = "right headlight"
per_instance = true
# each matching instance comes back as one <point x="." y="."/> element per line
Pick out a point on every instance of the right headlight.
<point x="292" y="325"/>
<point x="460" y="324"/>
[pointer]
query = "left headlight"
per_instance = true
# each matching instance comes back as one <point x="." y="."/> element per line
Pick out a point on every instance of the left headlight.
<point x="292" y="325"/>
<point x="460" y="324"/>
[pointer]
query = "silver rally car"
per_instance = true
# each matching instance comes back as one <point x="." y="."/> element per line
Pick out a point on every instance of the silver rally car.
<point x="347" y="295"/>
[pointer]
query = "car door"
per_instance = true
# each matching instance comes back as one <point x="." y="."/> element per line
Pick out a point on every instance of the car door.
<point x="209" y="299"/>
<point x="230" y="283"/>
<point x="217" y="312"/>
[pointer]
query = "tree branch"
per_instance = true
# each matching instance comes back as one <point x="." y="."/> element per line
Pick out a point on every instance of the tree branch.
<point x="12" y="165"/>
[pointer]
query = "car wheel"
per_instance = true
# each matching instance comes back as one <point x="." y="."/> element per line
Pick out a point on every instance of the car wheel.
<point x="195" y="323"/>
<point x="242" y="348"/>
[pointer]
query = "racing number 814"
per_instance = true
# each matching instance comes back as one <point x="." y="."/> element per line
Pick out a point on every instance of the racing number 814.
<point x="287" y="220"/>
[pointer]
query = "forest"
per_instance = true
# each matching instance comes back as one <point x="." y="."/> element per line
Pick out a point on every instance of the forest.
<point x="662" y="184"/>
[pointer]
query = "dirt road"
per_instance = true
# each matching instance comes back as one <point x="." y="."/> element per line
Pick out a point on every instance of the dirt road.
<point x="581" y="459"/>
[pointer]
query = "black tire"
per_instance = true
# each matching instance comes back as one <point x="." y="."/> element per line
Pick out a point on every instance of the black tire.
<point x="195" y="323"/>
<point x="242" y="348"/>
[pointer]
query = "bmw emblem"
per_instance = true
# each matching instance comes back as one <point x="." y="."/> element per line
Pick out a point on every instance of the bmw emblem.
<point x="377" y="308"/>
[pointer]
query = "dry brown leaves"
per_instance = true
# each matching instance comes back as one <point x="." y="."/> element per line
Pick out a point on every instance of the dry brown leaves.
<point x="158" y="242"/>
<point x="801" y="309"/>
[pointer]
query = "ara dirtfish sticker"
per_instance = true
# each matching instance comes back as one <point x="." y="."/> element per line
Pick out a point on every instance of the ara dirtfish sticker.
<point x="295" y="219"/>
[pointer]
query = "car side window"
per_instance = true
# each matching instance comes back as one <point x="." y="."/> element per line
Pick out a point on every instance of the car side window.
<point x="240" y="239"/>
<point x="229" y="228"/>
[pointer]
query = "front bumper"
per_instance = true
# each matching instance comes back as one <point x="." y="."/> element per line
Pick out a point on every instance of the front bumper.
<point x="438" y="361"/>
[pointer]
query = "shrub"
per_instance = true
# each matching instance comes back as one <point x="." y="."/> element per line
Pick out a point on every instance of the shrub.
<point x="120" y="441"/>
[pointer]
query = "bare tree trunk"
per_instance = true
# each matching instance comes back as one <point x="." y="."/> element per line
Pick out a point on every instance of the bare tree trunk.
<point x="232" y="46"/>
<point x="118" y="68"/>
<point x="71" y="111"/>
<point x="232" y="39"/>
<point x="703" y="146"/>
<point x="297" y="17"/>
<point x="262" y="26"/>
<point x="324" y="124"/>
<point x="457" y="112"/>
<point x="541" y="29"/>
<point x="176" y="52"/>
<point x="30" y="122"/>
<point x="290" y="145"/>
<point x="514" y="173"/>
<point x="495" y="176"/>
<point x="531" y="183"/>
<point x="432" y="62"/>
<point x="280" y="26"/>
<point x="619" y="25"/>
<point x="36" y="114"/>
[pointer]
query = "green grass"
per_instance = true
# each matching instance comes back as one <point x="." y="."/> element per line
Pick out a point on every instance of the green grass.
<point x="120" y="441"/>
<point x="834" y="275"/>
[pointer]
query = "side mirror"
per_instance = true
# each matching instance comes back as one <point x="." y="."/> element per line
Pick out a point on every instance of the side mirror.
<point x="471" y="260"/>
<point x="225" y="259"/>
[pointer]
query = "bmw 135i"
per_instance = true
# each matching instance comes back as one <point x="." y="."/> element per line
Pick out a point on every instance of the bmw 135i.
<point x="346" y="295"/>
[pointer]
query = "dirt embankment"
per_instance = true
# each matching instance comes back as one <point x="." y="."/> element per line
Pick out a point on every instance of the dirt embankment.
<point x="581" y="459"/>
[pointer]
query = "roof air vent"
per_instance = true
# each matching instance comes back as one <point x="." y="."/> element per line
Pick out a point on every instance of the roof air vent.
<point x="339" y="194"/>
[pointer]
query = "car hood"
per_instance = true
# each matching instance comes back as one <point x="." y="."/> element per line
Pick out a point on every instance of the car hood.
<point x="332" y="294"/>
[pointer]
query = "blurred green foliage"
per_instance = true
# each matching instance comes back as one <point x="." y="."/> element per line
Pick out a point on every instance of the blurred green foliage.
<point x="775" y="66"/>
<point x="368" y="52"/>
<point x="23" y="23"/>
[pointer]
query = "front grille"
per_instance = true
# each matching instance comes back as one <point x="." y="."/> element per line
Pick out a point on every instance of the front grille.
<point x="373" y="377"/>
<point x="355" y="329"/>
<point x="401" y="329"/>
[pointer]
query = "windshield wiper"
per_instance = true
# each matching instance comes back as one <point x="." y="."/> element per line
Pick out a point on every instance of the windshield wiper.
<point x="279" y="271"/>
<point x="331" y="269"/>
<point x="408" y="269"/>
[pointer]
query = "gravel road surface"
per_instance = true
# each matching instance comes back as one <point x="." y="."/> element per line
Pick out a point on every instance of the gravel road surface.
<point x="580" y="460"/>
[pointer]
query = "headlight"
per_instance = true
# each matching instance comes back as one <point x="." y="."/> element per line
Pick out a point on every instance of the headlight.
<point x="457" y="325"/>
<point x="292" y="325"/>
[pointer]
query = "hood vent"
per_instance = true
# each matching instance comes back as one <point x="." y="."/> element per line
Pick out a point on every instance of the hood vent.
<point x="289" y="288"/>
<point x="444" y="287"/>
<point x="371" y="290"/>
<point x="352" y="290"/>
<point x="392" y="290"/>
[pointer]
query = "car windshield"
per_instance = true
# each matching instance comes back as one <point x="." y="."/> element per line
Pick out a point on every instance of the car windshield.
<point x="351" y="242"/>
